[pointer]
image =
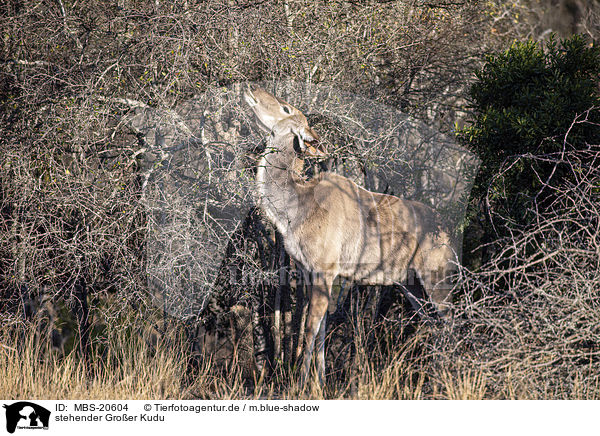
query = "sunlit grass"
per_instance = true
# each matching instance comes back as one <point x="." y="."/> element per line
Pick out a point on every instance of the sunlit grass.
<point x="143" y="365"/>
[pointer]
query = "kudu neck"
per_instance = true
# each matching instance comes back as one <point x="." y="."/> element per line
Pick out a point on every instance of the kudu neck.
<point x="277" y="180"/>
<point x="281" y="163"/>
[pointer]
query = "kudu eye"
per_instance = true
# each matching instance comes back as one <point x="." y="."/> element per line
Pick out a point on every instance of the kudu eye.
<point x="286" y="109"/>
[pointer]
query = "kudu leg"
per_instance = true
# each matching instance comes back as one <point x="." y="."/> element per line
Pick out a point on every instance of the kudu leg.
<point x="319" y="302"/>
<point x="321" y="349"/>
<point x="437" y="271"/>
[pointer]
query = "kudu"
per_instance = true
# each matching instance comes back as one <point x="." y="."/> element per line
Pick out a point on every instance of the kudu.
<point x="333" y="227"/>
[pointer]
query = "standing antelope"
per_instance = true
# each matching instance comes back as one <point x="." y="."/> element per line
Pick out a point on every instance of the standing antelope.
<point x="333" y="227"/>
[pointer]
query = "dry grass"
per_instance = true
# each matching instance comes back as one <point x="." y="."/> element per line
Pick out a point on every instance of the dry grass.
<point x="131" y="368"/>
<point x="140" y="366"/>
<point x="466" y="385"/>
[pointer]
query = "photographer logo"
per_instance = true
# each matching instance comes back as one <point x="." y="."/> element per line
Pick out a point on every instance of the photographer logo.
<point x="26" y="415"/>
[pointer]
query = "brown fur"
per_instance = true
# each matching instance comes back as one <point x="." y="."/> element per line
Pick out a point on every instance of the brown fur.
<point x="333" y="227"/>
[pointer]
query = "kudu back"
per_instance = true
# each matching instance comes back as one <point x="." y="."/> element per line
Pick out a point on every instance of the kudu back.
<point x="333" y="227"/>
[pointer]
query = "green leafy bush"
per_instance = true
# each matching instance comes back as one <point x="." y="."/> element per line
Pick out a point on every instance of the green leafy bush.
<point x="525" y="100"/>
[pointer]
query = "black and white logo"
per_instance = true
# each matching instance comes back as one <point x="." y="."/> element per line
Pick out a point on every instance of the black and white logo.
<point x="26" y="415"/>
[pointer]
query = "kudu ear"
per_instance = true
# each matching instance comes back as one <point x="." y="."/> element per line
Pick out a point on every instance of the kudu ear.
<point x="316" y="151"/>
<point x="304" y="134"/>
<point x="315" y="148"/>
<point x="306" y="141"/>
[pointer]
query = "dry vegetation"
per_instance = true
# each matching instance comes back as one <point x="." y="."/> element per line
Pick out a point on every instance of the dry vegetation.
<point x="136" y="368"/>
<point x="76" y="317"/>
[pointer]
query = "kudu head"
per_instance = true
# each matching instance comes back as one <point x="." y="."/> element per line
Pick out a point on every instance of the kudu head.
<point x="279" y="118"/>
